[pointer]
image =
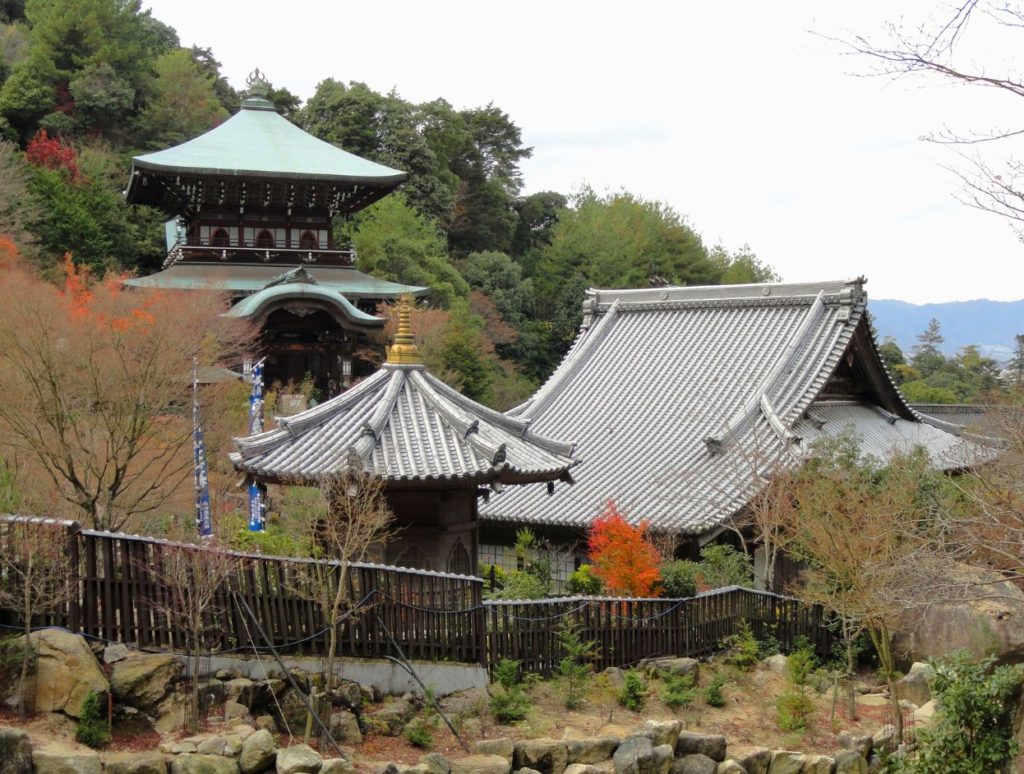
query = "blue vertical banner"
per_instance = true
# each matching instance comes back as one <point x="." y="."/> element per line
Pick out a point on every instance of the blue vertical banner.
<point x="204" y="522"/>
<point x="257" y="492"/>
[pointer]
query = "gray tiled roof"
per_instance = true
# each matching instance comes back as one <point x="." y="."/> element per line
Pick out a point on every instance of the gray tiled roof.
<point x="677" y="396"/>
<point x="407" y="426"/>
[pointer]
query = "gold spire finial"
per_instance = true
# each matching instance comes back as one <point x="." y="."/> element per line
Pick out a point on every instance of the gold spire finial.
<point x="404" y="350"/>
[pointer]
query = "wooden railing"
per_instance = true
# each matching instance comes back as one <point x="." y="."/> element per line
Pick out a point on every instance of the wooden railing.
<point x="121" y="596"/>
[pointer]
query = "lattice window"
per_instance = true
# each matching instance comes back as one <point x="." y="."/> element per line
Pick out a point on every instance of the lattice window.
<point x="265" y="239"/>
<point x="459" y="561"/>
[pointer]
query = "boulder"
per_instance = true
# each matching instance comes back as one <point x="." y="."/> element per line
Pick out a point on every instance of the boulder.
<point x="234" y="711"/>
<point x="135" y="763"/>
<point x="986" y="617"/>
<point x="615" y="677"/>
<point x="349" y="694"/>
<point x="504" y="747"/>
<point x="240" y="689"/>
<point x="583" y="768"/>
<point x="754" y="760"/>
<point x="923" y="715"/>
<point x="345" y="728"/>
<point x="694" y="764"/>
<point x="55" y="759"/>
<point x="851" y="762"/>
<point x="337" y="766"/>
<point x="675" y="666"/>
<point x="548" y="756"/>
<point x="66" y="672"/>
<point x="258" y="753"/>
<point x="786" y="762"/>
<point x="591" y="749"/>
<point x="470" y="702"/>
<point x="265" y="723"/>
<point x="15" y="751"/>
<point x="858" y="743"/>
<point x="915" y="685"/>
<point x="662" y="732"/>
<point x="115" y="652"/>
<point x="436" y="763"/>
<point x="776" y="663"/>
<point x="711" y="745"/>
<point x="143" y="679"/>
<point x="243" y="731"/>
<point x="390" y="719"/>
<point x="481" y="764"/>
<point x="884" y="739"/>
<point x="215" y="745"/>
<point x="636" y="755"/>
<point x="730" y="767"/>
<point x="232" y="745"/>
<point x="300" y="759"/>
<point x="212" y="692"/>
<point x="190" y="763"/>
<point x="819" y="764"/>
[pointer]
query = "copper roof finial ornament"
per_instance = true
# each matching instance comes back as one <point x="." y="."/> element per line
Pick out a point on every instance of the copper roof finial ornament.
<point x="257" y="85"/>
<point x="403" y="351"/>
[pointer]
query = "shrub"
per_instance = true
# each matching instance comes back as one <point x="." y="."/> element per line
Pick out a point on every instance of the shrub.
<point x="795" y="709"/>
<point x="678" y="691"/>
<point x="418" y="735"/>
<point x="971" y="732"/>
<point x="723" y="565"/>
<point x="583" y="581"/>
<point x="713" y="693"/>
<point x="574" y="668"/>
<point x="92" y="726"/>
<point x="510" y="703"/>
<point x="743" y="648"/>
<point x="679" y="578"/>
<point x="634" y="691"/>
<point x="801" y="662"/>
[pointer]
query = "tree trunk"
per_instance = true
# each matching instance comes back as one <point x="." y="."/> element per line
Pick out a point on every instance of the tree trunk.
<point x="851" y="699"/>
<point x="880" y="638"/>
<point x="26" y="659"/>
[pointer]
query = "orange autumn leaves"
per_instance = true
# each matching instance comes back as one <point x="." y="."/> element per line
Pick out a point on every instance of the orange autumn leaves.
<point x="622" y="555"/>
<point x="86" y="300"/>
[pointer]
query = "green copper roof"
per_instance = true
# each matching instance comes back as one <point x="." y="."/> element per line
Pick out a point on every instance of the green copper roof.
<point x="277" y="295"/>
<point x="252" y="278"/>
<point x="256" y="141"/>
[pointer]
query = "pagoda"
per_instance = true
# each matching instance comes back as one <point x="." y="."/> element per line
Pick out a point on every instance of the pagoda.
<point x="436" y="451"/>
<point x="252" y="203"/>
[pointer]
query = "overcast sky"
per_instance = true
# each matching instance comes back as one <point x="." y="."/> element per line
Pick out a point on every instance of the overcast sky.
<point x="735" y="114"/>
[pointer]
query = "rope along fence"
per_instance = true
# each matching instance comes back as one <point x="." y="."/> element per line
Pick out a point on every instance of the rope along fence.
<point x="121" y="595"/>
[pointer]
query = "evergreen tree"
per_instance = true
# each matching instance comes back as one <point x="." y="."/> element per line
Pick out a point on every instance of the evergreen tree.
<point x="928" y="358"/>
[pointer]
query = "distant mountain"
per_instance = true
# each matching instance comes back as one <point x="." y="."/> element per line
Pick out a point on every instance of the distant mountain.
<point x="991" y="325"/>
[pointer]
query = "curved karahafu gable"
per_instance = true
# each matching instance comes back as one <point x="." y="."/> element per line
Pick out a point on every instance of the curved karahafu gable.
<point x="684" y="399"/>
<point x="409" y="428"/>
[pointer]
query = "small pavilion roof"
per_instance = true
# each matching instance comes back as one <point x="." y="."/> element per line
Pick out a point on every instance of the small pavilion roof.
<point x="683" y="399"/>
<point x="409" y="428"/>
<point x="258" y="142"/>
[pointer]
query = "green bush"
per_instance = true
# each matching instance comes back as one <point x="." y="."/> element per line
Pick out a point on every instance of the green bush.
<point x="723" y="565"/>
<point x="634" y="691"/>
<point x="418" y="735"/>
<point x="713" y="693"/>
<point x="801" y="662"/>
<point x="574" y="668"/>
<point x="972" y="730"/>
<point x="92" y="725"/>
<point x="795" y="709"/>
<point x="678" y="690"/>
<point x="679" y="578"/>
<point x="743" y="649"/>
<point x="511" y="702"/>
<point x="584" y="582"/>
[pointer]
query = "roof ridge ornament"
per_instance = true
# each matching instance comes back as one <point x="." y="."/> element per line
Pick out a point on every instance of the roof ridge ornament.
<point x="257" y="85"/>
<point x="403" y="350"/>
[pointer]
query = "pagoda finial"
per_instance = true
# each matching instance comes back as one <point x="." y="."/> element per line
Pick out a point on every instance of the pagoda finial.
<point x="404" y="350"/>
<point x="257" y="85"/>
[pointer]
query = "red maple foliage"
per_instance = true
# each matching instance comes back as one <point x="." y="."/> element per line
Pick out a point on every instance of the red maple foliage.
<point x="623" y="556"/>
<point x="9" y="254"/>
<point x="50" y="152"/>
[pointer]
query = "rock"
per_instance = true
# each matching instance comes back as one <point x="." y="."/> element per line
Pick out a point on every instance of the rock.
<point x="615" y="676"/>
<point x="213" y="746"/>
<point x="662" y="732"/>
<point x="786" y="762"/>
<point x="232" y="746"/>
<point x="178" y="748"/>
<point x="504" y="747"/>
<point x="730" y="767"/>
<point x="851" y="762"/>
<point x="15" y="751"/>
<point x="349" y="693"/>
<point x="754" y="760"/>
<point x="858" y="743"/>
<point x="675" y="666"/>
<point x="636" y="755"/>
<point x="135" y="763"/>
<point x="481" y="764"/>
<point x="300" y="759"/>
<point x="884" y="739"/>
<point x="915" y="685"/>
<point x="592" y="749"/>
<point x="115" y="652"/>
<point x="265" y="723"/>
<point x="471" y="702"/>
<point x="337" y="766"/>
<point x="190" y="763"/>
<point x="224" y="674"/>
<point x="435" y="763"/>
<point x="390" y="719"/>
<point x="243" y="731"/>
<point x="142" y="680"/>
<point x="873" y="700"/>
<point x="212" y="691"/>
<point x="66" y="672"/>
<point x="923" y="715"/>
<point x="258" y="753"/>
<point x="526" y="770"/>
<point x="548" y="756"/>
<point x="690" y="743"/>
<point x="818" y="764"/>
<point x="233" y="710"/>
<point x="694" y="764"/>
<point x="617" y="730"/>
<point x="582" y="768"/>
<point x="55" y="759"/>
<point x="776" y="663"/>
<point x="987" y="618"/>
<point x="240" y="689"/>
<point x="345" y="728"/>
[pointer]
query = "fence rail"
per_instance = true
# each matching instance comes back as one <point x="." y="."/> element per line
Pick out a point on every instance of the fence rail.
<point x="121" y="594"/>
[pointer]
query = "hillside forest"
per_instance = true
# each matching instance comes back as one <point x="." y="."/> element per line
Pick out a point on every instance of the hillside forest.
<point x="87" y="84"/>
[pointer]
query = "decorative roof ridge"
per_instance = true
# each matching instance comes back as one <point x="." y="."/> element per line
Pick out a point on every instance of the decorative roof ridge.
<point x="464" y="424"/>
<point x="296" y="275"/>
<point x="587" y="341"/>
<point x="791" y="291"/>
<point x="253" y="304"/>
<point x="373" y="427"/>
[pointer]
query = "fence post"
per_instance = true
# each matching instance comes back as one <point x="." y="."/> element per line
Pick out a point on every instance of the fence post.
<point x="479" y="618"/>
<point x="74" y="622"/>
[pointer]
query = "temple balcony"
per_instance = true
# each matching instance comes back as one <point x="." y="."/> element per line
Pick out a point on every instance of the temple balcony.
<point x="200" y="253"/>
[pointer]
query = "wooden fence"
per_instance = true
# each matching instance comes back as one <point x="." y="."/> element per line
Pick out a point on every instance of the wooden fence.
<point x="122" y="593"/>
